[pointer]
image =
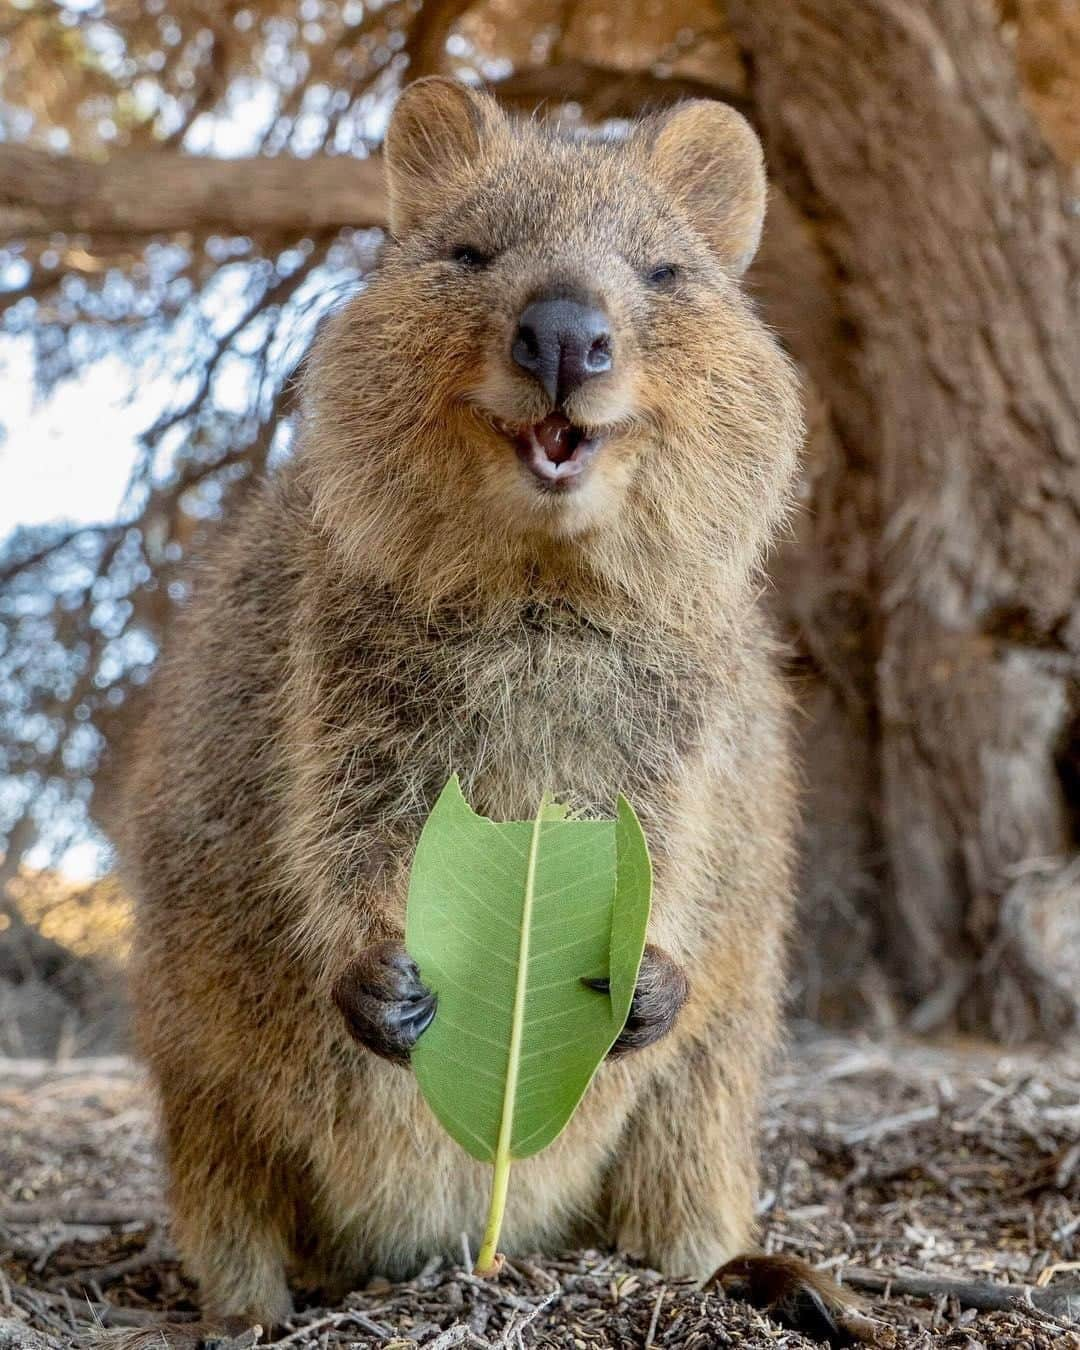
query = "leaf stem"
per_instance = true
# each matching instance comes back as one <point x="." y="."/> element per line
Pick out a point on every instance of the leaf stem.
<point x="488" y="1261"/>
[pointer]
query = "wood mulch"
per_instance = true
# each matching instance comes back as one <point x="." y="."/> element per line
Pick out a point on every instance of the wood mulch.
<point x="943" y="1183"/>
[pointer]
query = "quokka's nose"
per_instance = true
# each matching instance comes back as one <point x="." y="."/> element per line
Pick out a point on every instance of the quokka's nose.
<point x="563" y="343"/>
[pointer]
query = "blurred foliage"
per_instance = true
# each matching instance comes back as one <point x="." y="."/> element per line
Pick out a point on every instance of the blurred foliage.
<point x="90" y="921"/>
<point x="221" y="322"/>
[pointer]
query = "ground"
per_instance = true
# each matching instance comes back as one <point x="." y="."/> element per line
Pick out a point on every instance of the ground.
<point x="939" y="1181"/>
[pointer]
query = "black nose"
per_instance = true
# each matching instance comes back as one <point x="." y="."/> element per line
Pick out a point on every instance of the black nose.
<point x="563" y="343"/>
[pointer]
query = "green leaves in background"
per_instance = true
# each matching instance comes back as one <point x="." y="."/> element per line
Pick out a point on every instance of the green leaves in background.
<point x="505" y="920"/>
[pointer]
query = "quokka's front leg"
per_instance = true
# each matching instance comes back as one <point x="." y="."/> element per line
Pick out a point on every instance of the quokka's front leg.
<point x="681" y="1191"/>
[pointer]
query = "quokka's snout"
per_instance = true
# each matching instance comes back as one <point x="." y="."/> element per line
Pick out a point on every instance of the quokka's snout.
<point x="563" y="341"/>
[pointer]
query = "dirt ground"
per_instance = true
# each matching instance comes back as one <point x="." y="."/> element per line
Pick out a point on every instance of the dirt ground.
<point x="942" y="1183"/>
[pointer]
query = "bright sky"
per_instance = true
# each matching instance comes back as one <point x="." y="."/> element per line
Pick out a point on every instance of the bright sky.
<point x="66" y="457"/>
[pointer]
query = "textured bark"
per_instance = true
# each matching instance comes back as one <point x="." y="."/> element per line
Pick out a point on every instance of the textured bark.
<point x="161" y="191"/>
<point x="944" y="251"/>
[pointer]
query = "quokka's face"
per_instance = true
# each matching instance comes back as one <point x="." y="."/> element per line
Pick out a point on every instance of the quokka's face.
<point x="569" y="296"/>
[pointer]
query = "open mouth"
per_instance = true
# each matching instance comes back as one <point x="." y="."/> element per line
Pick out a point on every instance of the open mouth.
<point x="555" y="450"/>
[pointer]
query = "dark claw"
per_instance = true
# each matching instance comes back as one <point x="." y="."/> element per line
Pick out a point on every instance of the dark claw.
<point x="417" y="1016"/>
<point x="385" y="1005"/>
<point x="662" y="989"/>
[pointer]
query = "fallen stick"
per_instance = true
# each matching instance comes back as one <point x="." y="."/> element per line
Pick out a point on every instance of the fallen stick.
<point x="877" y="1129"/>
<point x="89" y="1066"/>
<point x="90" y="1213"/>
<point x="983" y="1296"/>
<point x="151" y="1254"/>
<point x="655" y="1319"/>
<point x="108" y="1314"/>
<point x="112" y="1316"/>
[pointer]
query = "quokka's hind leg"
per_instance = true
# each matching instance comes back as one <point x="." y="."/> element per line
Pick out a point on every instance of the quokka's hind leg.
<point x="231" y="1215"/>
<point x="681" y="1191"/>
<point x="682" y="1195"/>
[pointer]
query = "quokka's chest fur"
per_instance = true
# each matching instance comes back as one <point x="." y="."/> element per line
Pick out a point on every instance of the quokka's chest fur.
<point x="516" y="703"/>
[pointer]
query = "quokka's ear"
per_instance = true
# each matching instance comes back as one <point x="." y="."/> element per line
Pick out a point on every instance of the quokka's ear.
<point x="437" y="132"/>
<point x="708" y="157"/>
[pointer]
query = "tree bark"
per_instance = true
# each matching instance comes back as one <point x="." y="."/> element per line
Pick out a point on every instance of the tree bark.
<point x="948" y="258"/>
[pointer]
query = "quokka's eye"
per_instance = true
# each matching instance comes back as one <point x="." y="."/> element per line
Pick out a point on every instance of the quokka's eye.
<point x="663" y="275"/>
<point x="465" y="255"/>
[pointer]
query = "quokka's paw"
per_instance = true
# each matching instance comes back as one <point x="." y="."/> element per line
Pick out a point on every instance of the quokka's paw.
<point x="662" y="989"/>
<point x="803" y="1299"/>
<point x="385" y="1005"/>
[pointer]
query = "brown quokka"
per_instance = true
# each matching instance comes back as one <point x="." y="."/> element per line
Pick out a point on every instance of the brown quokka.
<point x="541" y="455"/>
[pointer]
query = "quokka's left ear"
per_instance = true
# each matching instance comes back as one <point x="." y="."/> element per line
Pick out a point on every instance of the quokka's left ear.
<point x="709" y="159"/>
<point x="438" y="131"/>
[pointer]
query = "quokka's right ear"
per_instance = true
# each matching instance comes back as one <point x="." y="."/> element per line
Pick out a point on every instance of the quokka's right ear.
<point x="709" y="159"/>
<point x="436" y="134"/>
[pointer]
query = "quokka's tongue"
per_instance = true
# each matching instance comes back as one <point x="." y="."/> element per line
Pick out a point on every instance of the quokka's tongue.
<point x="557" y="437"/>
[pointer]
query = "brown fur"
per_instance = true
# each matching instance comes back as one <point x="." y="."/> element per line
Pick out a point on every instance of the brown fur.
<point x="401" y="601"/>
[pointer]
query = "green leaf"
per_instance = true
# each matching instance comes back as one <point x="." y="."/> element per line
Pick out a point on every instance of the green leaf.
<point x="505" y="920"/>
<point x="630" y="906"/>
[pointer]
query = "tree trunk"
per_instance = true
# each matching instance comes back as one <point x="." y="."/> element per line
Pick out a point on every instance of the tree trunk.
<point x="936" y="586"/>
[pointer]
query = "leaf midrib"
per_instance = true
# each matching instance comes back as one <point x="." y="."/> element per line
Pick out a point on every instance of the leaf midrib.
<point x="521" y="984"/>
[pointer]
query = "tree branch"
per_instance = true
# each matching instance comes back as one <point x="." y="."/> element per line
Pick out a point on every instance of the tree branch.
<point x="981" y="1294"/>
<point x="150" y="192"/>
<point x="426" y="42"/>
<point x="25" y="562"/>
<point x="602" y="92"/>
<point x="162" y="191"/>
